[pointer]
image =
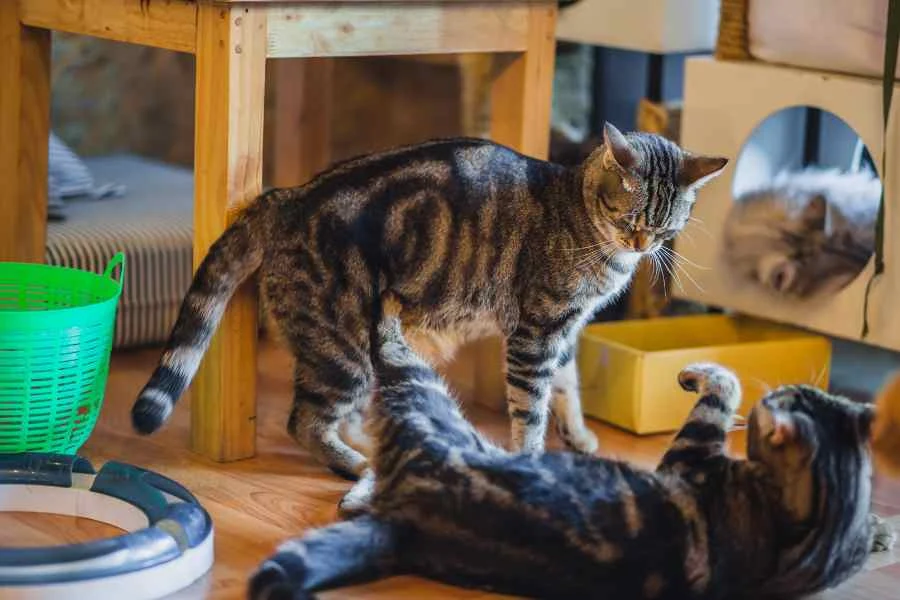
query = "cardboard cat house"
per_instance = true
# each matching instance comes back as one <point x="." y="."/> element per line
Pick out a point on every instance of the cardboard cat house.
<point x="724" y="103"/>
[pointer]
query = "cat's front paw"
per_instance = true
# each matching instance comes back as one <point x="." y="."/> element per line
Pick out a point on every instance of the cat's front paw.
<point x="583" y="441"/>
<point x="710" y="378"/>
<point x="883" y="535"/>
<point x="358" y="499"/>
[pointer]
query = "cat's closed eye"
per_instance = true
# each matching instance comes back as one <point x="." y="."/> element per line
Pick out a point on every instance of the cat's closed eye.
<point x="624" y="225"/>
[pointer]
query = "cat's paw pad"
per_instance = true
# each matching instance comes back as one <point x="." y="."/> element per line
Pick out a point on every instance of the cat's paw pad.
<point x="710" y="378"/>
<point x="883" y="535"/>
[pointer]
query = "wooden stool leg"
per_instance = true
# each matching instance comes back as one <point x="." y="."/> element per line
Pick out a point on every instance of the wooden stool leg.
<point x="25" y="127"/>
<point x="230" y="98"/>
<point x="520" y="118"/>
<point x="301" y="131"/>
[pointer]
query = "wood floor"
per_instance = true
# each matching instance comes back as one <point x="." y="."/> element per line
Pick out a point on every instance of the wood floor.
<point x="257" y="503"/>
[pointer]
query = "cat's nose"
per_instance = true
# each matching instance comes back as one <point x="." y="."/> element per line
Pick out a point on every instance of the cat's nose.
<point x="640" y="241"/>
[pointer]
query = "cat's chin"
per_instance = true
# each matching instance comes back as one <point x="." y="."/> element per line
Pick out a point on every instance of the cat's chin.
<point x="629" y="256"/>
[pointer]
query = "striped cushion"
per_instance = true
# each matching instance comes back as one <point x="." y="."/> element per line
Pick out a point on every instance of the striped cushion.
<point x="152" y="224"/>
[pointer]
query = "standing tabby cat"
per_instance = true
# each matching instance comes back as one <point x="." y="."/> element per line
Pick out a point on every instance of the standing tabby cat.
<point x="473" y="237"/>
<point x="791" y="520"/>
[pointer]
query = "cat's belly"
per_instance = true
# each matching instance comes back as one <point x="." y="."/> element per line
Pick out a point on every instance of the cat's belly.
<point x="440" y="345"/>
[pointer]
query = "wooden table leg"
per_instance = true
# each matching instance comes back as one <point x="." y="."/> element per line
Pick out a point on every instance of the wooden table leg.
<point x="230" y="99"/>
<point x="523" y="89"/>
<point x="301" y="128"/>
<point x="520" y="118"/>
<point x="24" y="127"/>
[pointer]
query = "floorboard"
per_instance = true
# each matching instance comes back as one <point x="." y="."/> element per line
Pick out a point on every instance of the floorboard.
<point x="257" y="503"/>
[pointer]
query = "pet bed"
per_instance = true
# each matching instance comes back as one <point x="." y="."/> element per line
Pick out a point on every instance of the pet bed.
<point x="152" y="223"/>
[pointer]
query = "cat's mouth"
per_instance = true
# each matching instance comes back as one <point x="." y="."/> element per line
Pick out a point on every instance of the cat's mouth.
<point x="626" y="247"/>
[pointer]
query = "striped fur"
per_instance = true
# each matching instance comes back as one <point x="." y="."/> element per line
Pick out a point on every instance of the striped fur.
<point x="449" y="505"/>
<point x="474" y="238"/>
<point x="806" y="233"/>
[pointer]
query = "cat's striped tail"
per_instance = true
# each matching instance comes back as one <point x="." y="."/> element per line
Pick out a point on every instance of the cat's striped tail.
<point x="234" y="257"/>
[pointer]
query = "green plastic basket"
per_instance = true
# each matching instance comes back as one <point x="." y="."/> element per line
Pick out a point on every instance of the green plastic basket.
<point x="56" y="332"/>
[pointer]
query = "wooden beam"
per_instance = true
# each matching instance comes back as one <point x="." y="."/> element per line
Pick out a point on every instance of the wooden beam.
<point x="25" y="127"/>
<point x="301" y="131"/>
<point x="330" y="2"/>
<point x="230" y="104"/>
<point x="169" y="24"/>
<point x="361" y="29"/>
<point x="523" y="88"/>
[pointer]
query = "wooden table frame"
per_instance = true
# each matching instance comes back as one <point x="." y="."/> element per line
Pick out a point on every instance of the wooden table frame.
<point x="231" y="41"/>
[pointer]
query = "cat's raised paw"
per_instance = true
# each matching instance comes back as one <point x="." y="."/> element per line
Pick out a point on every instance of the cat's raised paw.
<point x="710" y="378"/>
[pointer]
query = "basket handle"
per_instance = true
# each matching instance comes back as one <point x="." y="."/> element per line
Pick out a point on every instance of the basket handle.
<point x="116" y="261"/>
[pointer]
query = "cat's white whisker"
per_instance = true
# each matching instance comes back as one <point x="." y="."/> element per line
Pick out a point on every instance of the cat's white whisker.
<point x="819" y="379"/>
<point x="673" y="276"/>
<point x="688" y="275"/>
<point x="683" y="258"/>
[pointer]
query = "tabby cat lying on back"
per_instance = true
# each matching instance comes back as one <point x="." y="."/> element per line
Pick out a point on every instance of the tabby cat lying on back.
<point x="808" y="232"/>
<point x="792" y="519"/>
<point x="472" y="236"/>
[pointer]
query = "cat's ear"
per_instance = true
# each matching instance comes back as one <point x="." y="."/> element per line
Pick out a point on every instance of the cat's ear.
<point x="784" y="429"/>
<point x="696" y="171"/>
<point x="815" y="212"/>
<point x="618" y="151"/>
<point x="782" y="275"/>
<point x="791" y="428"/>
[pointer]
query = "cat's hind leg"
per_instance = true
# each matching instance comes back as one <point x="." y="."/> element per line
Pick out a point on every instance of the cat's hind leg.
<point x="318" y="415"/>
<point x="323" y="314"/>
<point x="346" y="553"/>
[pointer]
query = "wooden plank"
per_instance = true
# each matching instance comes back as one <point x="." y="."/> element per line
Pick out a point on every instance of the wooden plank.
<point x="169" y="24"/>
<point x="355" y="29"/>
<point x="230" y="103"/>
<point x="25" y="126"/>
<point x="520" y="118"/>
<point x="523" y="87"/>
<point x="301" y="132"/>
<point x="303" y="2"/>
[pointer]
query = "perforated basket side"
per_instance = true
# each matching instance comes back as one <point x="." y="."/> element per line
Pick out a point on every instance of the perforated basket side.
<point x="56" y="336"/>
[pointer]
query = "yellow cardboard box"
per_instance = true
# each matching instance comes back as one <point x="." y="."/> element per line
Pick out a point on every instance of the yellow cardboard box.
<point x="629" y="369"/>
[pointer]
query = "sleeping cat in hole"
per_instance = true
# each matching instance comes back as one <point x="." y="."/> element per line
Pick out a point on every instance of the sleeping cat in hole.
<point x="792" y="519"/>
<point x="806" y="233"/>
